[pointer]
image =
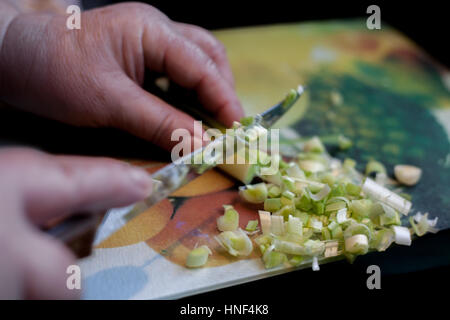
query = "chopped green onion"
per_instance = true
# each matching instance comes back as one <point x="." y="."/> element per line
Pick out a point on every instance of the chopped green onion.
<point x="198" y="257"/>
<point x="311" y="166"/>
<point x="256" y="193"/>
<point x="344" y="142"/>
<point x="247" y="121"/>
<point x="252" y="225"/>
<point x="295" y="226"/>
<point x="236" y="243"/>
<point x="375" y="167"/>
<point x="229" y="221"/>
<point x="277" y="225"/>
<point x="315" y="264"/>
<point x="295" y="261"/>
<point x="386" y="196"/>
<point x="273" y="259"/>
<point x="357" y="244"/>
<point x="274" y="191"/>
<point x="402" y="235"/>
<point x="272" y="204"/>
<point x="266" y="221"/>
<point x="353" y="189"/>
<point x="335" y="206"/>
<point x="314" y="145"/>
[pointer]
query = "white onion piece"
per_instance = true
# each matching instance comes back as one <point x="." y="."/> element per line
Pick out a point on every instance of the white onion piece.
<point x="266" y="221"/>
<point x="321" y="194"/>
<point x="382" y="194"/>
<point x="315" y="264"/>
<point x="402" y="235"/>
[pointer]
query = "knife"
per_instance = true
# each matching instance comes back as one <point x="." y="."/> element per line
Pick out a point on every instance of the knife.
<point x="78" y="231"/>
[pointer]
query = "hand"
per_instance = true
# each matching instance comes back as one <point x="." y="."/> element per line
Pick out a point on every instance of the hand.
<point x="36" y="187"/>
<point x="92" y="76"/>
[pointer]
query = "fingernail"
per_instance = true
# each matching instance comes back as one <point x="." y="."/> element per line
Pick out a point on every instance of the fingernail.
<point x="142" y="180"/>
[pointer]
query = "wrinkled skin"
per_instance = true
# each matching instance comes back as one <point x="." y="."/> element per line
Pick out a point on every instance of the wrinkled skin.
<point x="90" y="77"/>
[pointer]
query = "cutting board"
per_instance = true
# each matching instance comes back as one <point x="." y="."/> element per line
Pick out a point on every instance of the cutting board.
<point x="374" y="86"/>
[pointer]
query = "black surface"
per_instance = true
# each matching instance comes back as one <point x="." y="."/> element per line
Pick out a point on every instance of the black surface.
<point x="424" y="22"/>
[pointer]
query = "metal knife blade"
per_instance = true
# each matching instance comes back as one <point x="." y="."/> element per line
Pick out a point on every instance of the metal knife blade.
<point x="177" y="174"/>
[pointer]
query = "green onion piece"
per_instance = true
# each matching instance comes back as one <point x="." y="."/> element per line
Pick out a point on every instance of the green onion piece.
<point x="236" y="243"/>
<point x="335" y="206"/>
<point x="382" y="239"/>
<point x="402" y="235"/>
<point x="357" y="228"/>
<point x="382" y="194"/>
<point x="329" y="179"/>
<point x="304" y="203"/>
<point x="295" y="261"/>
<point x="256" y="193"/>
<point x="311" y="166"/>
<point x="318" y="207"/>
<point x="390" y="216"/>
<point x="252" y="225"/>
<point x="326" y="234"/>
<point x="332" y="225"/>
<point x="360" y="208"/>
<point x="344" y="142"/>
<point x="337" y="233"/>
<point x="353" y="189"/>
<point x="349" y="163"/>
<point x="424" y="224"/>
<point x="274" y="191"/>
<point x="285" y="211"/>
<point x="294" y="171"/>
<point x="314" y="247"/>
<point x="375" y="167"/>
<point x="229" y="221"/>
<point x="303" y="216"/>
<point x="288" y="183"/>
<point x="315" y="224"/>
<point x="198" y="257"/>
<point x="277" y="225"/>
<point x="272" y="204"/>
<point x="246" y="121"/>
<point x="357" y="244"/>
<point x="314" y="145"/>
<point x="266" y="221"/>
<point x="273" y="259"/>
<point x="294" y="226"/>
<point x="315" y="264"/>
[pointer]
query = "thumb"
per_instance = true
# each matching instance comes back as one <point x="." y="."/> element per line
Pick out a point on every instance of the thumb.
<point x="55" y="186"/>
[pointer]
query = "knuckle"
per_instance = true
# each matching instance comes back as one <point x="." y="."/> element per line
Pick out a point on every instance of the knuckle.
<point x="161" y="131"/>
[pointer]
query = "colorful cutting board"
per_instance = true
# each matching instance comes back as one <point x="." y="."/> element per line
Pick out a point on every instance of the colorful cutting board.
<point x="374" y="86"/>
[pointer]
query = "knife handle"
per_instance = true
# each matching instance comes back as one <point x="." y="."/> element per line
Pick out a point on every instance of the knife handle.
<point x="77" y="232"/>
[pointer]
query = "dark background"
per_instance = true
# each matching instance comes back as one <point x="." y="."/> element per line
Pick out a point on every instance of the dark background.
<point x="426" y="22"/>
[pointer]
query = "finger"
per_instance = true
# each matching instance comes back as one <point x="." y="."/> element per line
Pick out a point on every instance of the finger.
<point x="149" y="117"/>
<point x="210" y="45"/>
<point x="54" y="186"/>
<point x="45" y="263"/>
<point x="188" y="65"/>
